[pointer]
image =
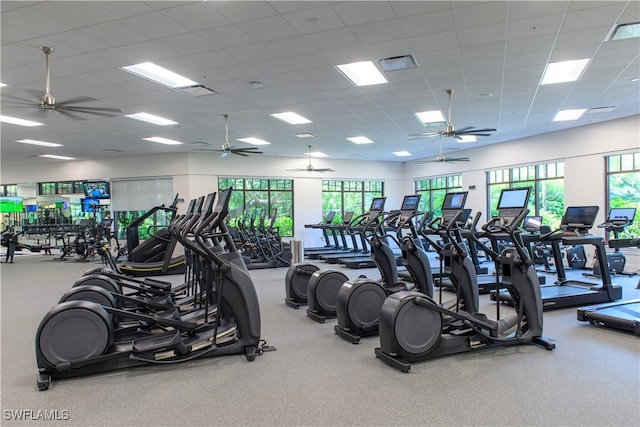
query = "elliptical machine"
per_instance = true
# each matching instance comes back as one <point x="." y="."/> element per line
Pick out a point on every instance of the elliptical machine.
<point x="413" y="327"/>
<point x="359" y="300"/>
<point x="79" y="337"/>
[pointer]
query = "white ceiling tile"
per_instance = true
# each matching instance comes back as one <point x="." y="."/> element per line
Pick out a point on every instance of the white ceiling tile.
<point x="243" y="11"/>
<point x="289" y="46"/>
<point x="332" y="39"/>
<point x="120" y="9"/>
<point x="269" y="28"/>
<point x="74" y="14"/>
<point x="480" y="14"/>
<point x="355" y="13"/>
<point x="380" y="31"/>
<point x="153" y="25"/>
<point x="114" y="33"/>
<point x="226" y="36"/>
<point x="314" y="20"/>
<point x="34" y="21"/>
<point x="427" y="23"/>
<point x="195" y="16"/>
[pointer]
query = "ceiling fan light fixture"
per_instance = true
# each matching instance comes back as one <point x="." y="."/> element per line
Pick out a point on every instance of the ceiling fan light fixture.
<point x="567" y="115"/>
<point x="564" y="71"/>
<point x="158" y="74"/>
<point x="254" y="141"/>
<point x="317" y="154"/>
<point x="19" y="122"/>
<point x="40" y="143"/>
<point x="291" y="118"/>
<point x="360" y="140"/>
<point x="362" y="73"/>
<point x="150" y="118"/>
<point x="161" y="140"/>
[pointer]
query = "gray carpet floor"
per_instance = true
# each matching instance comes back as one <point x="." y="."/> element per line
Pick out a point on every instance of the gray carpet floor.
<point x="592" y="378"/>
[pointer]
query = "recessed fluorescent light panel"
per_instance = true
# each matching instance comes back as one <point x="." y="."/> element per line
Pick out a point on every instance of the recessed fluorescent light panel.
<point x="433" y="118"/>
<point x="156" y="73"/>
<point x="360" y="140"/>
<point x="363" y="73"/>
<point x="305" y="135"/>
<point x="402" y="153"/>
<point x="291" y="118"/>
<point x="317" y="154"/>
<point x="565" y="71"/>
<point x="254" y="141"/>
<point x="466" y="138"/>
<point x="161" y="140"/>
<point x="625" y="31"/>
<point x="150" y="118"/>
<point x="53" y="156"/>
<point x="40" y="143"/>
<point x="2" y="84"/>
<point x="19" y="122"/>
<point x="566" y="115"/>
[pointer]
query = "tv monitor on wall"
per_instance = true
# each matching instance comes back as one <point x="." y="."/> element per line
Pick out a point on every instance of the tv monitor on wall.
<point x="96" y="190"/>
<point x="11" y="204"/>
<point x="90" y="205"/>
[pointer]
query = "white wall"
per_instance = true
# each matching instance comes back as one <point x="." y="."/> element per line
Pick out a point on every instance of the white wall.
<point x="582" y="149"/>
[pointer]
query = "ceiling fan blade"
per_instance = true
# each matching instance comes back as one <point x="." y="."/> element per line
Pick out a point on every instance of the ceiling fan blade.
<point x="36" y="93"/>
<point x="239" y="153"/>
<point x="463" y="130"/>
<point x="89" y="110"/>
<point x="323" y="170"/>
<point x="456" y="159"/>
<point x="296" y="170"/>
<point x="23" y="101"/>
<point x="78" y="100"/>
<point x="474" y="131"/>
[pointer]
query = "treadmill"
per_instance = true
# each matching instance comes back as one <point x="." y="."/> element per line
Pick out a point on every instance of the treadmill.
<point x="328" y="220"/>
<point x="624" y="315"/>
<point x="360" y="225"/>
<point x="565" y="292"/>
<point x="339" y="248"/>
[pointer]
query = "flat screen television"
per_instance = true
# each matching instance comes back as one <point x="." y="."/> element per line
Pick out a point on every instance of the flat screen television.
<point x="514" y="198"/>
<point x="579" y="217"/>
<point x="410" y="203"/>
<point x="620" y="214"/>
<point x="454" y="201"/>
<point x="96" y="190"/>
<point x="90" y="205"/>
<point x="377" y="204"/>
<point x="11" y="204"/>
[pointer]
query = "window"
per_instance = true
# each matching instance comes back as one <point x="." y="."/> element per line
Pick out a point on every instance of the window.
<point x="9" y="190"/>
<point x="547" y="189"/>
<point x="255" y="194"/>
<point x="67" y="187"/>
<point x="623" y="187"/>
<point x="349" y="196"/>
<point x="432" y="191"/>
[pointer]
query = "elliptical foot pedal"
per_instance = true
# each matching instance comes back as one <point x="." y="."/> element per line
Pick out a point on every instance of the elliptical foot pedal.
<point x="343" y="333"/>
<point x="317" y="317"/>
<point x="293" y="304"/>
<point x="394" y="362"/>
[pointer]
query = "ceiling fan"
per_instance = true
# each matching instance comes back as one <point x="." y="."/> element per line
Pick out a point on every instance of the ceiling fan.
<point x="47" y="103"/>
<point x="450" y="130"/>
<point x="227" y="149"/>
<point x="310" y="167"/>
<point x="441" y="158"/>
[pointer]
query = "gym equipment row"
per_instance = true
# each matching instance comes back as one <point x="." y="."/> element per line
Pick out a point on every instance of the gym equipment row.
<point x="112" y="321"/>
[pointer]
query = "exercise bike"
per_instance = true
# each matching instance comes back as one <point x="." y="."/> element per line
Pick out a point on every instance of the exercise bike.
<point x="414" y="327"/>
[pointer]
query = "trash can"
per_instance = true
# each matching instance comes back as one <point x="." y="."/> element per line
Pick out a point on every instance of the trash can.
<point x="297" y="251"/>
